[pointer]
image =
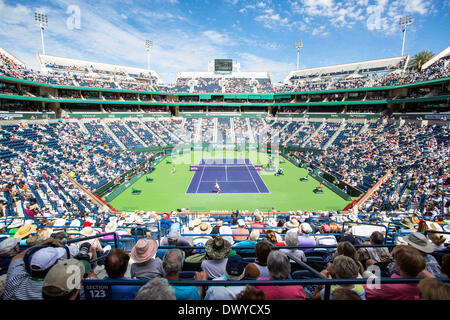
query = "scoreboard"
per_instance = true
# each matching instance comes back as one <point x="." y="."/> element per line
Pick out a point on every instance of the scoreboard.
<point x="223" y="65"/>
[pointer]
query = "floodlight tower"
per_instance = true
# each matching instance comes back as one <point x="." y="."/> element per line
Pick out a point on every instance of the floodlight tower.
<point x="298" y="46"/>
<point x="149" y="46"/>
<point x="42" y="21"/>
<point x="403" y="22"/>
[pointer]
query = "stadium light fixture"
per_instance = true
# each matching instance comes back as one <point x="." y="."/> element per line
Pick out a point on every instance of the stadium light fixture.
<point x="298" y="46"/>
<point x="403" y="22"/>
<point x="41" y="20"/>
<point x="149" y="46"/>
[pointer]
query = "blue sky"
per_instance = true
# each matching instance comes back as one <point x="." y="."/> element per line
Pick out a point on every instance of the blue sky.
<point x="259" y="34"/>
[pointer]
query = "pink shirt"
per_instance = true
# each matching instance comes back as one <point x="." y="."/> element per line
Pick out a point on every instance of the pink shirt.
<point x="258" y="225"/>
<point x="282" y="292"/>
<point x="407" y="291"/>
<point x="240" y="231"/>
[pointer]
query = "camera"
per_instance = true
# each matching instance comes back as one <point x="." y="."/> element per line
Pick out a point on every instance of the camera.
<point x="84" y="252"/>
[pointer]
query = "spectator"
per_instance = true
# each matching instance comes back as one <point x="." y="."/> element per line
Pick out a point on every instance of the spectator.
<point x="145" y="266"/>
<point x="292" y="241"/>
<point x="432" y="289"/>
<point x="251" y="242"/>
<point x="204" y="228"/>
<point x="225" y="232"/>
<point x="280" y="269"/>
<point x="25" y="232"/>
<point x="155" y="289"/>
<point x="410" y="263"/>
<point x="173" y="238"/>
<point x="445" y="269"/>
<point x="235" y="270"/>
<point x="63" y="281"/>
<point x="345" y="294"/>
<point x="379" y="256"/>
<point x="293" y="223"/>
<point x="259" y="267"/>
<point x="251" y="293"/>
<point x="347" y="249"/>
<point x="116" y="265"/>
<point x="217" y="250"/>
<point x="9" y="247"/>
<point x="420" y="242"/>
<point x="437" y="241"/>
<point x="258" y="224"/>
<point x="216" y="228"/>
<point x="240" y="232"/>
<point x="303" y="239"/>
<point x="272" y="238"/>
<point x="345" y="268"/>
<point x="190" y="230"/>
<point x="172" y="265"/>
<point x="21" y="285"/>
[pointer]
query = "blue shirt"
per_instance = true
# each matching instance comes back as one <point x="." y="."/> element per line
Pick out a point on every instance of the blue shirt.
<point x="186" y="293"/>
<point x="245" y="243"/>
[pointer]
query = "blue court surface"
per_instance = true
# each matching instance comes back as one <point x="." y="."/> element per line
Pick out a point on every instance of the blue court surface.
<point x="232" y="175"/>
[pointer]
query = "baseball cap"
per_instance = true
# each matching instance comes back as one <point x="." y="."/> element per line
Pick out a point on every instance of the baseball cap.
<point x="235" y="267"/>
<point x="241" y="222"/>
<point x="173" y="235"/>
<point x="63" y="276"/>
<point x="7" y="244"/>
<point x="46" y="257"/>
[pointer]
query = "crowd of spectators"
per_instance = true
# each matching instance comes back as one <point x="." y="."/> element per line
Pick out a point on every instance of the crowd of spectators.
<point x="416" y="155"/>
<point x="40" y="272"/>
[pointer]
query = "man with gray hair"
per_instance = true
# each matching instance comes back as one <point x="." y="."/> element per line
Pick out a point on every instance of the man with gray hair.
<point x="280" y="269"/>
<point x="254" y="236"/>
<point x="172" y="265"/>
<point x="292" y="240"/>
<point x="155" y="289"/>
<point x="173" y="238"/>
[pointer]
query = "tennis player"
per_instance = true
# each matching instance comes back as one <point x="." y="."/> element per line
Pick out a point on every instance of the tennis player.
<point x="217" y="187"/>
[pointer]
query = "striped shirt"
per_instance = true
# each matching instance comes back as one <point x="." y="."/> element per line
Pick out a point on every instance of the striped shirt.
<point x="19" y="284"/>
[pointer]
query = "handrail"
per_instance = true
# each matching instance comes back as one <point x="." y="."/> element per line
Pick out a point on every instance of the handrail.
<point x="93" y="237"/>
<point x="364" y="197"/>
<point x="388" y="245"/>
<point x="97" y="199"/>
<point x="211" y="283"/>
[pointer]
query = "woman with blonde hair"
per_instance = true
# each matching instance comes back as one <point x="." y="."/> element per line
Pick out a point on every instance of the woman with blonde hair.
<point x="432" y="289"/>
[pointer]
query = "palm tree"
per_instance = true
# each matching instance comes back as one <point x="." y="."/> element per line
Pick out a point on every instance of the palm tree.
<point x="420" y="59"/>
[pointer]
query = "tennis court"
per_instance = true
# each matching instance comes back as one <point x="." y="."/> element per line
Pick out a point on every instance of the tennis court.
<point x="232" y="175"/>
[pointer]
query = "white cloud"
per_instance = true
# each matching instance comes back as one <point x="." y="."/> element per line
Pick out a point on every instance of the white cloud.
<point x="277" y="68"/>
<point x="375" y="15"/>
<point x="218" y="38"/>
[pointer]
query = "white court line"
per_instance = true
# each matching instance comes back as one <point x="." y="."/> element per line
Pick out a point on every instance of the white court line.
<point x="229" y="181"/>
<point x="198" y="186"/>
<point x="226" y="174"/>
<point x="253" y="180"/>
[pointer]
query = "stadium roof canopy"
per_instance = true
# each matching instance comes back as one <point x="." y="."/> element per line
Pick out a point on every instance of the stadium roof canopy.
<point x="444" y="53"/>
<point x="13" y="58"/>
<point x="354" y="69"/>
<point x="53" y="63"/>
